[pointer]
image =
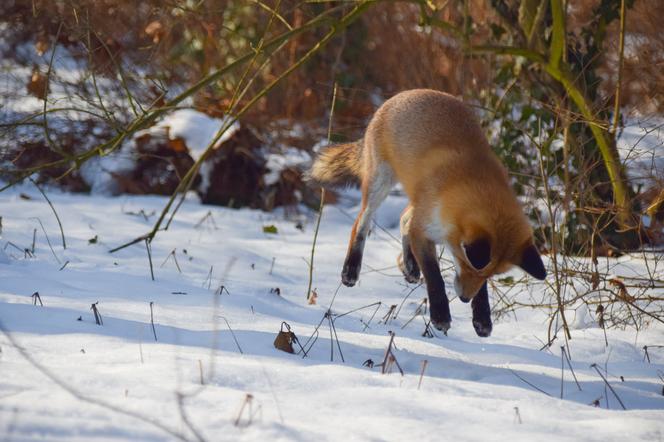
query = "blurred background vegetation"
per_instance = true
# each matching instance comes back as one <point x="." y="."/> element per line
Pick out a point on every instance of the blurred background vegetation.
<point x="546" y="77"/>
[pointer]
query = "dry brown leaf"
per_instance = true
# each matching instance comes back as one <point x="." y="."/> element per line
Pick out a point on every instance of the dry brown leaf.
<point x="313" y="296"/>
<point x="38" y="85"/>
<point x="284" y="341"/>
<point x="155" y="30"/>
<point x="178" y="145"/>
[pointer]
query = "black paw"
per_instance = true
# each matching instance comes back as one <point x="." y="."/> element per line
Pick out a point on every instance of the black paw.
<point x="441" y="320"/>
<point x="351" y="271"/>
<point x="442" y="325"/>
<point x="349" y="276"/>
<point x="482" y="328"/>
<point x="409" y="268"/>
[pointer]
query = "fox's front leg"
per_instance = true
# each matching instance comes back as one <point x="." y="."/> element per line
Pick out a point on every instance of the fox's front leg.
<point x="425" y="254"/>
<point x="482" y="312"/>
<point x="406" y="260"/>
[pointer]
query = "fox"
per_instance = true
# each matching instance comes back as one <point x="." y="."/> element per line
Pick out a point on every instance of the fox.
<point x="459" y="195"/>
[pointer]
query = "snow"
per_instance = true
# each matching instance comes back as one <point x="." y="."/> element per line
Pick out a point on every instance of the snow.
<point x="98" y="172"/>
<point x="288" y="157"/>
<point x="197" y="129"/>
<point x="470" y="390"/>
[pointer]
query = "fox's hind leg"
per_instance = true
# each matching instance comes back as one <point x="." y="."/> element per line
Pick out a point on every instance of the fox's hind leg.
<point x="375" y="188"/>
<point x="406" y="260"/>
<point x="482" y="312"/>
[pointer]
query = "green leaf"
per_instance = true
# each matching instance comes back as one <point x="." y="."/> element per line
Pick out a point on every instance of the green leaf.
<point x="271" y="229"/>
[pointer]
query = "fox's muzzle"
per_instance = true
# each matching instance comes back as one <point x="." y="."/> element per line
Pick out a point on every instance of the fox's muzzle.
<point x="466" y="292"/>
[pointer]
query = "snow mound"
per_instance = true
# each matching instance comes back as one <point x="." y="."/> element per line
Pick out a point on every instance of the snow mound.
<point x="197" y="129"/>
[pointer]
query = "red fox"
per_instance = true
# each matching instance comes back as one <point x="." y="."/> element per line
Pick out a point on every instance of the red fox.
<point x="459" y="195"/>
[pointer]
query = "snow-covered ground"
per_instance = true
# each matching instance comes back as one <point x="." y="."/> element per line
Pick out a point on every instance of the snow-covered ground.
<point x="64" y="378"/>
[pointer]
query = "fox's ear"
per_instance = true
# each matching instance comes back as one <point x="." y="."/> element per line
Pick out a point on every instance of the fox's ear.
<point x="478" y="253"/>
<point x="532" y="263"/>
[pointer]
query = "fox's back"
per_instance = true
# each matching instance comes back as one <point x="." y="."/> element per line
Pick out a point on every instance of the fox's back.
<point x="424" y="132"/>
<point x="424" y="119"/>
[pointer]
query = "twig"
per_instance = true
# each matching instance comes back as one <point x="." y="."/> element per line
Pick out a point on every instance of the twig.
<point x="569" y="364"/>
<point x="322" y="199"/>
<point x="562" y="370"/>
<point x="200" y="371"/>
<point x="313" y="338"/>
<point x="529" y="383"/>
<point x="366" y="324"/>
<point x="341" y="315"/>
<point x="315" y="333"/>
<point x="48" y="241"/>
<point x="388" y="316"/>
<point x="62" y="232"/>
<point x="232" y="334"/>
<point x="140" y="347"/>
<point x="220" y="291"/>
<point x="208" y="216"/>
<point x="175" y="259"/>
<point x="418" y="312"/>
<point x="608" y="385"/>
<point x="208" y="279"/>
<point x="549" y="344"/>
<point x="247" y="402"/>
<point x="147" y="247"/>
<point x="378" y="304"/>
<point x="403" y="301"/>
<point x="388" y="352"/>
<point x="36" y="298"/>
<point x="154" y="331"/>
<point x="95" y="310"/>
<point x="428" y="330"/>
<point x="334" y="329"/>
<point x="131" y="243"/>
<point x="424" y="367"/>
<point x="646" y="355"/>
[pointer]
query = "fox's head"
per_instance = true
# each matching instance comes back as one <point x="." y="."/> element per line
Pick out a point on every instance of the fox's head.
<point x="480" y="255"/>
<point x="486" y="229"/>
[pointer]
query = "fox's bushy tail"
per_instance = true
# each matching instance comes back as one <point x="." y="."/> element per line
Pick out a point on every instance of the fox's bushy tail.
<point x="338" y="165"/>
